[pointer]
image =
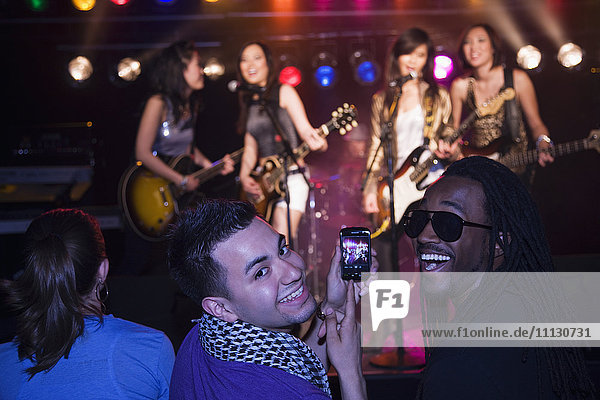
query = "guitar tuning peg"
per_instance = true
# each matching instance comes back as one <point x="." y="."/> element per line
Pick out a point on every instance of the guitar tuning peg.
<point x="334" y="114"/>
<point x="342" y="131"/>
<point x="345" y="105"/>
<point x="354" y="123"/>
<point x="340" y="110"/>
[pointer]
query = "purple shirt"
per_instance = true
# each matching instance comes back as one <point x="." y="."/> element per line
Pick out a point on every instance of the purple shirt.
<point x="198" y="375"/>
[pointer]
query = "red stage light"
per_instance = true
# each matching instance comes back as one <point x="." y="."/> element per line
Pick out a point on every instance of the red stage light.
<point x="291" y="76"/>
<point x="120" y="2"/>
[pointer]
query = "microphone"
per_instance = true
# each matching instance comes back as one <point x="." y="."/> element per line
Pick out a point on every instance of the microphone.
<point x="401" y="81"/>
<point x="235" y="86"/>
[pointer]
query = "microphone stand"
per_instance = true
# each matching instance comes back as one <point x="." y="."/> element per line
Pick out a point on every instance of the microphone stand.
<point x="288" y="153"/>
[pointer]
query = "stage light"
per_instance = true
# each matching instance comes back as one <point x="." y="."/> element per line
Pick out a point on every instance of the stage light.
<point x="213" y="68"/>
<point x="84" y="5"/>
<point x="529" y="57"/>
<point x="570" y="55"/>
<point x="324" y="64"/>
<point x="366" y="69"/>
<point x="129" y="69"/>
<point x="290" y="75"/>
<point x="442" y="67"/>
<point x="80" y="68"/>
<point x="37" y="5"/>
<point x="289" y="71"/>
<point x="120" y="2"/>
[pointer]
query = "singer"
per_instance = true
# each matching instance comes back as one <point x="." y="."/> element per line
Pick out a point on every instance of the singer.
<point x="423" y="107"/>
<point x="261" y="139"/>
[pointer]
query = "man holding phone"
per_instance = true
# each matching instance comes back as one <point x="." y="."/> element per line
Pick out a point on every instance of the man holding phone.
<point x="252" y="289"/>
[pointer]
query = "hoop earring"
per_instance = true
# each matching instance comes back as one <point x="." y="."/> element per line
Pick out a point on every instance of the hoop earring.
<point x="101" y="297"/>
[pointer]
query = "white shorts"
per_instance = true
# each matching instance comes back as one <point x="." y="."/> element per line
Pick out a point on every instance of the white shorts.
<point x="298" y="189"/>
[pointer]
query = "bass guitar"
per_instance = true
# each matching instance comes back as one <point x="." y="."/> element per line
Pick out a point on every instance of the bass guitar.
<point x="413" y="172"/>
<point x="150" y="203"/>
<point x="516" y="160"/>
<point x="270" y="173"/>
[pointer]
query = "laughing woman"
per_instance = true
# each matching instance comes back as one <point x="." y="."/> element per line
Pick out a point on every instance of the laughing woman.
<point x="256" y="70"/>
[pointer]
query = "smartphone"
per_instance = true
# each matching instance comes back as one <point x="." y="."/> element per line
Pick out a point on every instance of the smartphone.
<point x="355" y="243"/>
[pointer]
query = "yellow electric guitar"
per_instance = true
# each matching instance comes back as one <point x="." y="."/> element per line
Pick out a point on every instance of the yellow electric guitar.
<point x="270" y="173"/>
<point x="150" y="203"/>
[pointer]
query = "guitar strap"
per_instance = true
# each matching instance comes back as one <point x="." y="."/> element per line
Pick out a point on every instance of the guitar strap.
<point x="512" y="123"/>
<point x="428" y="130"/>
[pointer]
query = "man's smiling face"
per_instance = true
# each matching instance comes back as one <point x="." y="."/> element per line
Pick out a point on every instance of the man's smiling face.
<point x="266" y="280"/>
<point x="465" y="198"/>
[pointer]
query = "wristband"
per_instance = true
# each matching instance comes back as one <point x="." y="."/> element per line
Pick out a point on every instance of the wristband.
<point x="184" y="181"/>
<point x="544" y="138"/>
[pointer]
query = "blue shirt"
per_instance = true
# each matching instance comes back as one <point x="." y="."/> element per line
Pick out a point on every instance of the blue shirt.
<point x="118" y="359"/>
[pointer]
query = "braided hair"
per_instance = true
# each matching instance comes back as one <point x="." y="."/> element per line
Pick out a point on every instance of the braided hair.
<point x="518" y="230"/>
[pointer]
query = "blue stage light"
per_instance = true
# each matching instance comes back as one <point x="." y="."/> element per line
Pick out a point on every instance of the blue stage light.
<point x="367" y="72"/>
<point x="325" y="75"/>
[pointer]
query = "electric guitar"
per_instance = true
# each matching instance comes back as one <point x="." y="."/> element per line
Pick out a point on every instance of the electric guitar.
<point x="412" y="172"/>
<point x="150" y="203"/>
<point x="270" y="173"/>
<point x="528" y="157"/>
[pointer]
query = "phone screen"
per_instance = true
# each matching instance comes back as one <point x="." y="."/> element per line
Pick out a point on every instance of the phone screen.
<point x="356" y="252"/>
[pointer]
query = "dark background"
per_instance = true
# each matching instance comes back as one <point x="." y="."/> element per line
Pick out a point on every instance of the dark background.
<point x="39" y="98"/>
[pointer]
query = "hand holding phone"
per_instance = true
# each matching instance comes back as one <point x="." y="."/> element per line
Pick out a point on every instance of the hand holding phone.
<point x="355" y="243"/>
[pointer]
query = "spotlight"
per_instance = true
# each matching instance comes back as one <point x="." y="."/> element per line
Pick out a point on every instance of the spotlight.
<point x="289" y="72"/>
<point x="366" y="69"/>
<point x="80" y="68"/>
<point x="120" y="2"/>
<point x="529" y="57"/>
<point x="570" y="55"/>
<point x="324" y="64"/>
<point x="290" y="75"/>
<point x="37" y="5"/>
<point x="213" y="68"/>
<point x="84" y="5"/>
<point x="442" y="67"/>
<point x="129" y="69"/>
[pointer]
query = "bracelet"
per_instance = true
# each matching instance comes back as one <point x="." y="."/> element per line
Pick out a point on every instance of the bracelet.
<point x="544" y="138"/>
<point x="184" y="181"/>
<point x="320" y="313"/>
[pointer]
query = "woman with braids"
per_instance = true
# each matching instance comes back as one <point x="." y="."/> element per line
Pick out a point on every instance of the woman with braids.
<point x="479" y="217"/>
<point x="65" y="347"/>
<point x="166" y="128"/>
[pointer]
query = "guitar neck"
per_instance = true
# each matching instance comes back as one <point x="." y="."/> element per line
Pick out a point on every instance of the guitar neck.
<point x="214" y="170"/>
<point x="303" y="150"/>
<point x="531" y="156"/>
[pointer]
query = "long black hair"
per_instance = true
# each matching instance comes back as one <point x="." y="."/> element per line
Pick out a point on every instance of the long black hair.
<point x="168" y="80"/>
<point x="64" y="249"/>
<point x="406" y="43"/>
<point x="518" y="230"/>
<point x="245" y="97"/>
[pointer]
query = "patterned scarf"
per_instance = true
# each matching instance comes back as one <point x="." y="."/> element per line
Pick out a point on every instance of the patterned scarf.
<point x="244" y="342"/>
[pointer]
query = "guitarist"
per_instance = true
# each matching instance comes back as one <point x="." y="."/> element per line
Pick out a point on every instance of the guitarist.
<point x="480" y="51"/>
<point x="261" y="139"/>
<point x="166" y="128"/>
<point x="422" y="109"/>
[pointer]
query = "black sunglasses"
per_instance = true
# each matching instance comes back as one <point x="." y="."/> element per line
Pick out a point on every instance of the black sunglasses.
<point x="448" y="226"/>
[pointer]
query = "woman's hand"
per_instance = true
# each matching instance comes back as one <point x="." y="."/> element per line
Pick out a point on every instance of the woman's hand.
<point x="250" y="186"/>
<point x="228" y="165"/>
<point x="191" y="183"/>
<point x="314" y="141"/>
<point x="369" y="203"/>
<point x="447" y="151"/>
